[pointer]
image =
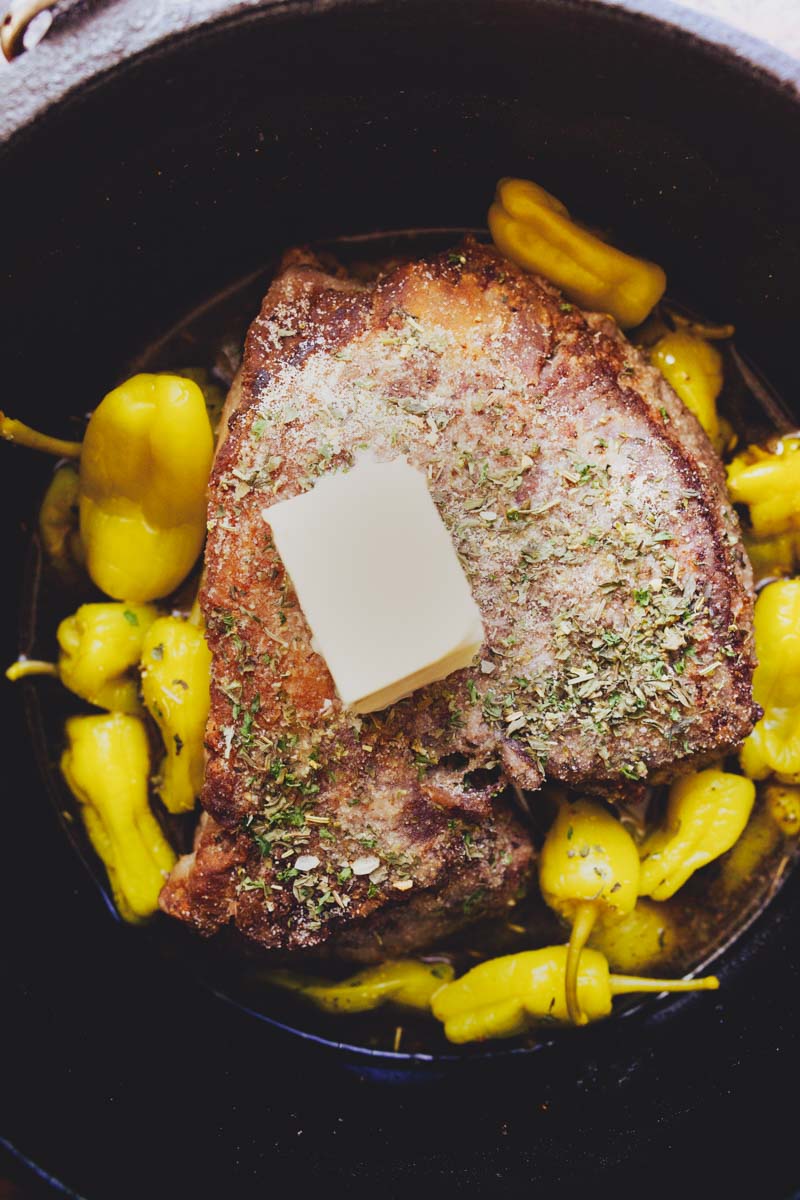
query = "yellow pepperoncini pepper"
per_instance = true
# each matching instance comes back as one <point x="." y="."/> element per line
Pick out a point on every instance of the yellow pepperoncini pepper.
<point x="145" y="465"/>
<point x="768" y="481"/>
<point x="693" y="368"/>
<point x="58" y="522"/>
<point x="404" y="982"/>
<point x="589" y="866"/>
<point x="774" y="744"/>
<point x="213" y="394"/>
<point x="706" y="814"/>
<point x="176" y="674"/>
<point x="144" y="468"/>
<point x="639" y="939"/>
<point x="773" y="557"/>
<point x="106" y="765"/>
<point x="507" y="996"/>
<point x="534" y="229"/>
<point x="746" y="859"/>
<point x="783" y="805"/>
<point x="100" y="646"/>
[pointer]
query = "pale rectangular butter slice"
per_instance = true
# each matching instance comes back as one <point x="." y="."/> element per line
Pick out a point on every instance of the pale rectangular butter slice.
<point x="379" y="581"/>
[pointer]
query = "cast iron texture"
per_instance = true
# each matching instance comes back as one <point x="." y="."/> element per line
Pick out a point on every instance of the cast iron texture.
<point x="146" y="188"/>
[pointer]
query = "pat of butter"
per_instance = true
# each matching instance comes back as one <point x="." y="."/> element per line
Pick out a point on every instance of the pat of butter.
<point x="379" y="582"/>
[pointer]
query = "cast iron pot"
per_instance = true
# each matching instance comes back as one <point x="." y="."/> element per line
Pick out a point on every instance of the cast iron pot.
<point x="154" y="157"/>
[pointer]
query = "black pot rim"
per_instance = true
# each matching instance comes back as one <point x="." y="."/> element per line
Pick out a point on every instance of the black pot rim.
<point x="82" y="49"/>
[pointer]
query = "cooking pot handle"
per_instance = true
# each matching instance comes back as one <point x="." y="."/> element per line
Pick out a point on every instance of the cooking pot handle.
<point x="16" y="22"/>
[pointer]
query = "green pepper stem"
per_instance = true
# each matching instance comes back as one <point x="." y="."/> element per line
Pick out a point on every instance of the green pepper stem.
<point x="620" y="984"/>
<point x="582" y="925"/>
<point x="26" y="667"/>
<point x="17" y="431"/>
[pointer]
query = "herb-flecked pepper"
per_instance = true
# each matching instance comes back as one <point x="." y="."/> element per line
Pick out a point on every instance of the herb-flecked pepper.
<point x="638" y="940"/>
<point x="106" y="765"/>
<point x="768" y="482"/>
<point x="507" y="996"/>
<point x="404" y="982"/>
<point x="176" y="677"/>
<point x="706" y="814"/>
<point x="774" y="744"/>
<point x="100" y="648"/>
<point x="589" y="865"/>
<point x="144" y="471"/>
<point x="534" y="230"/>
<point x="693" y="368"/>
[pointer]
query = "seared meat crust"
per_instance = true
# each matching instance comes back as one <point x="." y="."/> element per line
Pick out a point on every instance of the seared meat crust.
<point x="590" y="514"/>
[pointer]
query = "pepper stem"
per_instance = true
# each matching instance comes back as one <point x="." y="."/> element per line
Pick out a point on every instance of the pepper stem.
<point x="196" y="614"/>
<point x="17" y="431"/>
<point x="582" y="925"/>
<point x="26" y="667"/>
<point x="712" y="333"/>
<point x="621" y="984"/>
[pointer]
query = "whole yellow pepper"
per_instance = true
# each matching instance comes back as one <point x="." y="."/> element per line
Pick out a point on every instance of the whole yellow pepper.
<point x="507" y="996"/>
<point x="144" y="468"/>
<point x="589" y="866"/>
<point x="706" y="814"/>
<point x="100" y="648"/>
<point x="404" y="982"/>
<point x="639" y="939"/>
<point x="534" y="230"/>
<point x="774" y="744"/>
<point x="768" y="481"/>
<point x="783" y="805"/>
<point x="693" y="368"/>
<point x="106" y="765"/>
<point x="176" y="677"/>
<point x="58" y="522"/>
<point x="144" y="471"/>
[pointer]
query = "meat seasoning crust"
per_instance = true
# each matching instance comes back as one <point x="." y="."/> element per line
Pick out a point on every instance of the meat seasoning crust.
<point x="589" y="511"/>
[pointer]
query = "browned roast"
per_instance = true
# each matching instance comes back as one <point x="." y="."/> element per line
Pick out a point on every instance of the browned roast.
<point x="589" y="512"/>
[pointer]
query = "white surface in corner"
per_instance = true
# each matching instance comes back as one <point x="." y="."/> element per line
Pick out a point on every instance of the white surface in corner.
<point x="775" y="21"/>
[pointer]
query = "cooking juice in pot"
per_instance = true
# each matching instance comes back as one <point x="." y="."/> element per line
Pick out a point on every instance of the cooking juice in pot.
<point x="685" y="932"/>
